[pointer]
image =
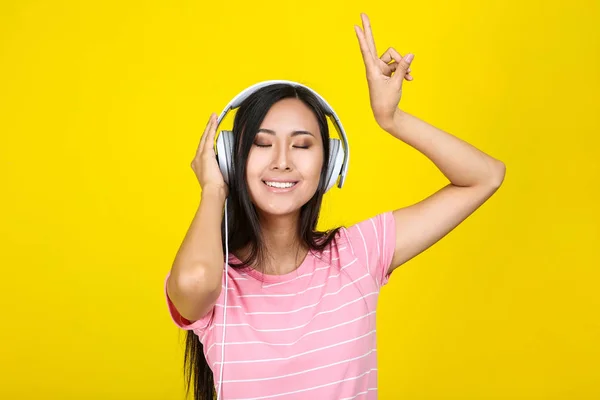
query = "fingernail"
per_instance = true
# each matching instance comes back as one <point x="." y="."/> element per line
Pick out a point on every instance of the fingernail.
<point x="410" y="57"/>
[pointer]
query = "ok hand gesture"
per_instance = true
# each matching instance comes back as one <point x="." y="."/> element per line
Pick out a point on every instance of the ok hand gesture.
<point x="384" y="78"/>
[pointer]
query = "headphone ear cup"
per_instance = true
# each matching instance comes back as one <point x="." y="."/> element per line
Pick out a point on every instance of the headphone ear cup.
<point x="336" y="159"/>
<point x="225" y="154"/>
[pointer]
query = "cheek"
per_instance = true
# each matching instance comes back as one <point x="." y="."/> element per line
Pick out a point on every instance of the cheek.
<point x="255" y="164"/>
<point x="313" y="166"/>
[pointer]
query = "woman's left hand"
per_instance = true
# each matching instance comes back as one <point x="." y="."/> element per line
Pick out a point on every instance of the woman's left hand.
<point x="385" y="75"/>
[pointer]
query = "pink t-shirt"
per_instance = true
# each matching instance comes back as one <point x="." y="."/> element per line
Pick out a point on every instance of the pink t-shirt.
<point x="306" y="334"/>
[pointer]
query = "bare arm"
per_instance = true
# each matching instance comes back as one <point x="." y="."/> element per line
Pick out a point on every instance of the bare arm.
<point x="474" y="177"/>
<point x="194" y="284"/>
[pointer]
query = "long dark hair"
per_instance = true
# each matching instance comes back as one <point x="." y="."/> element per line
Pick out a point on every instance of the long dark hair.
<point x="243" y="223"/>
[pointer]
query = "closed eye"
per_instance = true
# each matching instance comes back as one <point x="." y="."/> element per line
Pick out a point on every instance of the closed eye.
<point x="268" y="145"/>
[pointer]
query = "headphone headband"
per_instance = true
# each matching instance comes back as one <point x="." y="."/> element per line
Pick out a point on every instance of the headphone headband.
<point x="243" y="95"/>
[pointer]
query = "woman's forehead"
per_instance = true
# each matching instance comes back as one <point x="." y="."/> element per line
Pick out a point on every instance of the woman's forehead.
<point x="290" y="115"/>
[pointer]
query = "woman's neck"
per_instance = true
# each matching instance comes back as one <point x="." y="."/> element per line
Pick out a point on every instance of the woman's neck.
<point x="284" y="248"/>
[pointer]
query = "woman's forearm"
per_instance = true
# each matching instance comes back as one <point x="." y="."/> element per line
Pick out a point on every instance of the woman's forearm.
<point x="201" y="252"/>
<point x="462" y="163"/>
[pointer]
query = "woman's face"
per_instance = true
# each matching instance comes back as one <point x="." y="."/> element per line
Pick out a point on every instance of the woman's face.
<point x="287" y="151"/>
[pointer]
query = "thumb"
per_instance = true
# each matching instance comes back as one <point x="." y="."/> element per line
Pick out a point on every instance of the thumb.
<point x="403" y="67"/>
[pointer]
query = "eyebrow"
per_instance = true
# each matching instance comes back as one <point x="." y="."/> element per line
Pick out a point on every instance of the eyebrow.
<point x="294" y="133"/>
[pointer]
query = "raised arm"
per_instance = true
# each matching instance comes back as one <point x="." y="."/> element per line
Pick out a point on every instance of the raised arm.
<point x="474" y="176"/>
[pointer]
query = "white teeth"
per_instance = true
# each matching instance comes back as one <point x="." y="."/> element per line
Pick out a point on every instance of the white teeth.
<point x="281" y="185"/>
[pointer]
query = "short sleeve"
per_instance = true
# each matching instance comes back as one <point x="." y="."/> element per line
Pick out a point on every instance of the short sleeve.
<point x="197" y="326"/>
<point x="373" y="242"/>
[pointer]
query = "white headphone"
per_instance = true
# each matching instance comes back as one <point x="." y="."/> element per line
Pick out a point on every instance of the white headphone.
<point x="339" y="155"/>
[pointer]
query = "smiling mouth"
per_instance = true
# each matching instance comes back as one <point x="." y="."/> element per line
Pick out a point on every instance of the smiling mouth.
<point x="280" y="185"/>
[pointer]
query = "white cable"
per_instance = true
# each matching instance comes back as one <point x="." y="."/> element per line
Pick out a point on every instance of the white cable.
<point x="225" y="306"/>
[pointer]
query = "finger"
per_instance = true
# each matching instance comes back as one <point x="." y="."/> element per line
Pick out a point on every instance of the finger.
<point x="387" y="70"/>
<point x="398" y="57"/>
<point x="205" y="134"/>
<point x="369" y="34"/>
<point x="392" y="55"/>
<point x="403" y="66"/>
<point x="210" y="135"/>
<point x="388" y="56"/>
<point x="364" y="49"/>
<point x="394" y="65"/>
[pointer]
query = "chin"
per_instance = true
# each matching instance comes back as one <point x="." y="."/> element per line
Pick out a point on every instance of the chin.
<point x="274" y="212"/>
<point x="278" y="207"/>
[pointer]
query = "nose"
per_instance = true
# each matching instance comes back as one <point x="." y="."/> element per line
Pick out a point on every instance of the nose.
<point x="281" y="158"/>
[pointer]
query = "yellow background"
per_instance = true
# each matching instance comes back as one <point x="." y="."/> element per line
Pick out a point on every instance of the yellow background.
<point x="102" y="105"/>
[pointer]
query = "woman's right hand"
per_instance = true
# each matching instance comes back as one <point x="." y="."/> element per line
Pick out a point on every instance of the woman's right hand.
<point x="205" y="163"/>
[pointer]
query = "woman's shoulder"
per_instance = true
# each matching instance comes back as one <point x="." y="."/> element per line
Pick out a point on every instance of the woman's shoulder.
<point x="338" y="244"/>
<point x="370" y="225"/>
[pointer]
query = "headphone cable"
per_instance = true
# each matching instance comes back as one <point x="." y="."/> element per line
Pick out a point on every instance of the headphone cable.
<point x="225" y="305"/>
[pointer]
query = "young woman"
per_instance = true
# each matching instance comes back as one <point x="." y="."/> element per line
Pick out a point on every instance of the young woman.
<point x="301" y="303"/>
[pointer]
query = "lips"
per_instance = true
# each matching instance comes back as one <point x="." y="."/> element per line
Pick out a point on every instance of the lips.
<point x="280" y="189"/>
<point x="281" y="182"/>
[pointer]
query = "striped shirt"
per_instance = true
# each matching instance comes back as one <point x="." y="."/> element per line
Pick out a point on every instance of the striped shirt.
<point x="306" y="334"/>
